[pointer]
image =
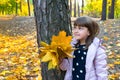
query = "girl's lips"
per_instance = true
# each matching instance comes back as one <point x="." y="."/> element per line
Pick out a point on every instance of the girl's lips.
<point x="76" y="34"/>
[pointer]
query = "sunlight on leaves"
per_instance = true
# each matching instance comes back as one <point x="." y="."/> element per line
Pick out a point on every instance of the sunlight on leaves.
<point x="18" y="57"/>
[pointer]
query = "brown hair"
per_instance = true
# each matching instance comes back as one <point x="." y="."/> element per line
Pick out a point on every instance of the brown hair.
<point x="92" y="26"/>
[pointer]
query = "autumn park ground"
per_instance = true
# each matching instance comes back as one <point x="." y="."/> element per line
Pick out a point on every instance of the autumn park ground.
<point x="18" y="47"/>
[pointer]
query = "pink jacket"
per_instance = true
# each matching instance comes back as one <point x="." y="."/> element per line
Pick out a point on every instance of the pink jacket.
<point x="96" y="63"/>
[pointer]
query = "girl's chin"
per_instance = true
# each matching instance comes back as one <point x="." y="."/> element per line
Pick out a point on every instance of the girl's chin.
<point x="78" y="38"/>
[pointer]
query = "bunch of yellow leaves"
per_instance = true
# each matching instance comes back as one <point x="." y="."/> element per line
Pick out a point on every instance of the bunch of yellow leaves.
<point x="58" y="49"/>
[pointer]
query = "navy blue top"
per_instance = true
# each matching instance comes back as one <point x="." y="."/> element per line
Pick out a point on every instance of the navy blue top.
<point x="79" y="61"/>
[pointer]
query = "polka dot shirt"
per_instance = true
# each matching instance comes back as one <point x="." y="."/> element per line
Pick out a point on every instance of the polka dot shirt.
<point x="79" y="60"/>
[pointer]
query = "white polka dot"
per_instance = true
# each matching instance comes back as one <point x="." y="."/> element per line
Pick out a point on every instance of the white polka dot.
<point x="77" y="64"/>
<point x="78" y="51"/>
<point x="84" y="47"/>
<point x="81" y="71"/>
<point x="84" y="53"/>
<point x="73" y="56"/>
<point x="73" y="69"/>
<point x="77" y="76"/>
<point x="82" y="58"/>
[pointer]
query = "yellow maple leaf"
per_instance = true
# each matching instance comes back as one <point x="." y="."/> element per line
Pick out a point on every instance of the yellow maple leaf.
<point x="105" y="38"/>
<point x="50" y="65"/>
<point x="47" y="57"/>
<point x="11" y="77"/>
<point x="39" y="77"/>
<point x="117" y="62"/>
<point x="59" y="48"/>
<point x="4" y="72"/>
<point x="61" y="39"/>
<point x="118" y="44"/>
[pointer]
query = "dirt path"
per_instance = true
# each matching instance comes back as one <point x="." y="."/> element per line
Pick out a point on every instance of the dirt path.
<point x="26" y="25"/>
<point x="17" y="26"/>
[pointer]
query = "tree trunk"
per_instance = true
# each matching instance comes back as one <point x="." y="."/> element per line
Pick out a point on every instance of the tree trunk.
<point x="16" y="9"/>
<point x="78" y="9"/>
<point x="74" y="8"/>
<point x="51" y="16"/>
<point x="104" y="6"/>
<point x="28" y="7"/>
<point x="71" y="7"/>
<point x="111" y="9"/>
<point x="21" y="6"/>
<point x="82" y="6"/>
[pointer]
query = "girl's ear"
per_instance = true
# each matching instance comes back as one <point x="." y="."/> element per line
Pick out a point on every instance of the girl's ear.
<point x="88" y="33"/>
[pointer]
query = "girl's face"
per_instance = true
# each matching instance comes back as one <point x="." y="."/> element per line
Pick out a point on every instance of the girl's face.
<point x="80" y="33"/>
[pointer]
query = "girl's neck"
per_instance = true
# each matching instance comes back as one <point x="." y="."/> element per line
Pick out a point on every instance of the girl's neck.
<point x="82" y="42"/>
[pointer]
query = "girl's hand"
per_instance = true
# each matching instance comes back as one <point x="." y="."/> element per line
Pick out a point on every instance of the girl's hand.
<point x="61" y="59"/>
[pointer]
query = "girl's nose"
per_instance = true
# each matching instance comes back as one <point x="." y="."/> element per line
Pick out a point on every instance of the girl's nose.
<point x="76" y="30"/>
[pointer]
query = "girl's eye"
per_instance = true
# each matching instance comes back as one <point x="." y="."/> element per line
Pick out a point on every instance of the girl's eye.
<point x="74" y="27"/>
<point x="80" y="27"/>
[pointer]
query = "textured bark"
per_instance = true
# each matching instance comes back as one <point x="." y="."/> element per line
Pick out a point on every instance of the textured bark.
<point x="104" y="6"/>
<point x="51" y="16"/>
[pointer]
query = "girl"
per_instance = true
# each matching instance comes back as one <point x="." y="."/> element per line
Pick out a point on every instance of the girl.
<point x="89" y="62"/>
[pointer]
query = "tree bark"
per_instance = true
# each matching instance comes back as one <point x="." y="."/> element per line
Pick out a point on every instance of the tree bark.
<point x="21" y="6"/>
<point x="70" y="7"/>
<point x="104" y="6"/>
<point x="74" y="8"/>
<point x="29" y="13"/>
<point x="111" y="10"/>
<point x="82" y="7"/>
<point x="51" y="16"/>
<point x="78" y="8"/>
<point x="16" y="8"/>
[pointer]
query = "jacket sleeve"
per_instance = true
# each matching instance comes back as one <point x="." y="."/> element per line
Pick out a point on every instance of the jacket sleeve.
<point x="64" y="64"/>
<point x="101" y="64"/>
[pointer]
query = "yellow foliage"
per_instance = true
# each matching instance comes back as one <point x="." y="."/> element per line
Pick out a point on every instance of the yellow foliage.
<point x="11" y="78"/>
<point x="59" y="48"/>
<point x="111" y="56"/>
<point x="111" y="65"/>
<point x="18" y="57"/>
<point x="105" y="38"/>
<point x="117" y="62"/>
<point x="118" y="44"/>
<point x="112" y="77"/>
<point x="4" y="72"/>
<point x="118" y="56"/>
<point x="39" y="77"/>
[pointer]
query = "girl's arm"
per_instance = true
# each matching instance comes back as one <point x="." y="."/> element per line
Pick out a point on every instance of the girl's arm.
<point x="101" y="64"/>
<point x="64" y="64"/>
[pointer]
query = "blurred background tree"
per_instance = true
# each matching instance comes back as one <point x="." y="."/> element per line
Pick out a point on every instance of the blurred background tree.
<point x="16" y="7"/>
<point x="78" y="8"/>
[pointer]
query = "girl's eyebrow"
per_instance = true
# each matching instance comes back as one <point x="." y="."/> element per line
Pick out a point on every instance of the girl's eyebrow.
<point x="80" y="26"/>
